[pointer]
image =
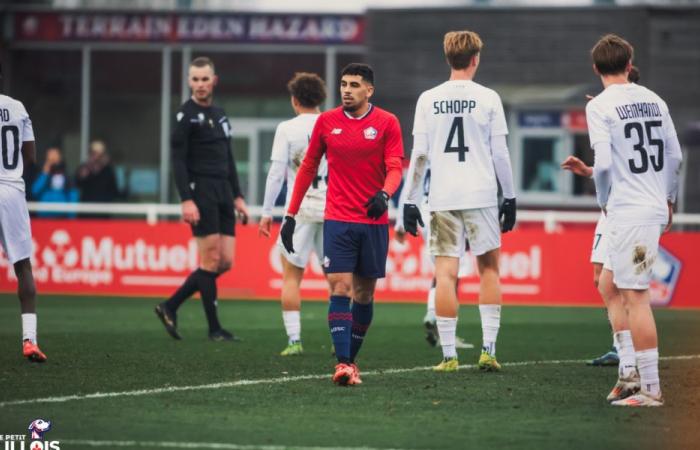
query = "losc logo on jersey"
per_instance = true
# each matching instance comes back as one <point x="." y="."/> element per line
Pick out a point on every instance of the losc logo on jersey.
<point x="370" y="133"/>
<point x="664" y="277"/>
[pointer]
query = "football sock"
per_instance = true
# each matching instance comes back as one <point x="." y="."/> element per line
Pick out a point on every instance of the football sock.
<point x="625" y="350"/>
<point x="648" y="364"/>
<point x="490" y="323"/>
<point x="431" y="304"/>
<point x="447" y="329"/>
<point x="340" y="324"/>
<point x="29" y="327"/>
<point x="361" y="319"/>
<point x="185" y="291"/>
<point x="207" y="288"/>
<point x="292" y="323"/>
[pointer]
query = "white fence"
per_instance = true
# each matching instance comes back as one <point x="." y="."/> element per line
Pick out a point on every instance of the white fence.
<point x="152" y="212"/>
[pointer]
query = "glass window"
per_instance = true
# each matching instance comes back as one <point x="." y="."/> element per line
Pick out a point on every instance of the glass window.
<point x="540" y="169"/>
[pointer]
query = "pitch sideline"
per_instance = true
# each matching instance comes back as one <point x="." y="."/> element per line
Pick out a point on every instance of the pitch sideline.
<point x="279" y="380"/>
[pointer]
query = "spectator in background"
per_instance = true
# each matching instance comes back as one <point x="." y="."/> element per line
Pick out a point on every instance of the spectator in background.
<point x="95" y="177"/>
<point x="52" y="184"/>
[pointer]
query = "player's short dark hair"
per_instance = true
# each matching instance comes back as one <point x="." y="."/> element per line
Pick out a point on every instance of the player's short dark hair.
<point x="308" y="88"/>
<point x="203" y="61"/>
<point x="634" y="75"/>
<point x="361" y="69"/>
<point x="611" y="54"/>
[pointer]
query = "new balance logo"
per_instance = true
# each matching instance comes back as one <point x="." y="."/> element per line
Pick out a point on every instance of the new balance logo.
<point x="336" y="131"/>
<point x="337" y="329"/>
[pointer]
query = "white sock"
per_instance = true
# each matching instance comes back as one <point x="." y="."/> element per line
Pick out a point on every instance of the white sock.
<point x="292" y="323"/>
<point x="431" y="305"/>
<point x="29" y="327"/>
<point x="490" y="323"/>
<point x="447" y="329"/>
<point x="625" y="350"/>
<point x="648" y="364"/>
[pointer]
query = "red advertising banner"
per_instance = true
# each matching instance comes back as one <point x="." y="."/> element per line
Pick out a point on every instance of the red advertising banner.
<point x="174" y="28"/>
<point x="132" y="258"/>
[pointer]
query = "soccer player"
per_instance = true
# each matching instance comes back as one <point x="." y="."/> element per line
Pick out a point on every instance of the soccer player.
<point x="308" y="91"/>
<point x="637" y="160"/>
<point x="15" y="232"/>
<point x="460" y="130"/>
<point x="363" y="146"/>
<point x="207" y="181"/>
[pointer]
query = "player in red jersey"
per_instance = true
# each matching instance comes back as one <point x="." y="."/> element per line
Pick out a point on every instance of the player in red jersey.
<point x="364" y="150"/>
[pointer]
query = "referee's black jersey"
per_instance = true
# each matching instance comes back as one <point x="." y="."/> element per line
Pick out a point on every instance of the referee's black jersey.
<point x="201" y="147"/>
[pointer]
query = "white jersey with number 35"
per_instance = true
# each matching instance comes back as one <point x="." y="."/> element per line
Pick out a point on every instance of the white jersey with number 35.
<point x="459" y="117"/>
<point x="15" y="129"/>
<point x="637" y="125"/>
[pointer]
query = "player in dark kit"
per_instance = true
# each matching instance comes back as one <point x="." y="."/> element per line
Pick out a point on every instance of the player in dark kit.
<point x="207" y="181"/>
<point x="364" y="150"/>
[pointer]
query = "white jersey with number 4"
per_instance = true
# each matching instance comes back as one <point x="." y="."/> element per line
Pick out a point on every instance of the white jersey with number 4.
<point x="459" y="118"/>
<point x="15" y="129"/>
<point x="637" y="125"/>
<point x="290" y="144"/>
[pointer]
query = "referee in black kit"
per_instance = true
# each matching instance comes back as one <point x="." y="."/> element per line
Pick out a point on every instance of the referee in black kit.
<point x="207" y="181"/>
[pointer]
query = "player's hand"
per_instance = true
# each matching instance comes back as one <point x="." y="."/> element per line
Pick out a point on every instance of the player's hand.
<point x="264" y="226"/>
<point x="411" y="218"/>
<point x="287" y="233"/>
<point x="190" y="212"/>
<point x="670" y="218"/>
<point x="577" y="166"/>
<point x="507" y="214"/>
<point x="242" y="209"/>
<point x="377" y="205"/>
<point x="400" y="235"/>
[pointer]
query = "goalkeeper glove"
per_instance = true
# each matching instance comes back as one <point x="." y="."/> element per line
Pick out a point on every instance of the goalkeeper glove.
<point x="377" y="205"/>
<point x="287" y="233"/>
<point x="411" y="218"/>
<point x="506" y="215"/>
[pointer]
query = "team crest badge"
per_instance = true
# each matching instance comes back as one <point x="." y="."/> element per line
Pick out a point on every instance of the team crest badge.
<point x="370" y="133"/>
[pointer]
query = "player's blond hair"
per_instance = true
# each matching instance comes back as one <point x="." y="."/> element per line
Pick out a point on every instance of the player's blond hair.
<point x="461" y="47"/>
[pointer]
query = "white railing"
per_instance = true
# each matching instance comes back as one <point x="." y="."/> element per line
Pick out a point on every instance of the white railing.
<point x="154" y="211"/>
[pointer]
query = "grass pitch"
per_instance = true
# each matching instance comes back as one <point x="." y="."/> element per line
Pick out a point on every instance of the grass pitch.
<point x="115" y="346"/>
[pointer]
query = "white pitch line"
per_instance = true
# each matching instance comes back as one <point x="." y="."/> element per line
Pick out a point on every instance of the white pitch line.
<point x="204" y="445"/>
<point x="279" y="380"/>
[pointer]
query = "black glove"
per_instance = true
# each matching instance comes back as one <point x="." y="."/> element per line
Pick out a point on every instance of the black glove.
<point x="411" y="218"/>
<point x="287" y="233"/>
<point x="377" y="205"/>
<point x="506" y="215"/>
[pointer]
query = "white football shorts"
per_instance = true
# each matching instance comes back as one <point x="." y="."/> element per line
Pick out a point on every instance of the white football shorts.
<point x="632" y="251"/>
<point x="464" y="266"/>
<point x="600" y="241"/>
<point x="15" y="232"/>
<point x="449" y="229"/>
<point x="308" y="237"/>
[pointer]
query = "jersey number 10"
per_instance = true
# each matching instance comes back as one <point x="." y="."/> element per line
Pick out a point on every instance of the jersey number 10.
<point x="657" y="162"/>
<point x="457" y="128"/>
<point x="4" y="132"/>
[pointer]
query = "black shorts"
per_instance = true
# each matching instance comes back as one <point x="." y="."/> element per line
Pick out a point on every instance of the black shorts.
<point x="214" y="200"/>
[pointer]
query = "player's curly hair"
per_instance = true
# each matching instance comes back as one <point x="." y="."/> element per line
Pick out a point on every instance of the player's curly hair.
<point x="308" y="88"/>
<point x="460" y="47"/>
<point x="611" y="54"/>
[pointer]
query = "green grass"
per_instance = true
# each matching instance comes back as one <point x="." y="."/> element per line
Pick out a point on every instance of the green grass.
<point x="112" y="345"/>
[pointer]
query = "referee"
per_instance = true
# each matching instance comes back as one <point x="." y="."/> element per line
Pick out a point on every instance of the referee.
<point x="207" y="181"/>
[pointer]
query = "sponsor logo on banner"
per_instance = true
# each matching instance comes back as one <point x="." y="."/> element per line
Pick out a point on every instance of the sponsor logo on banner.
<point x="36" y="439"/>
<point x="664" y="277"/>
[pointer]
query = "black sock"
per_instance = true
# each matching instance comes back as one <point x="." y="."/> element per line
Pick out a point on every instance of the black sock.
<point x="188" y="288"/>
<point x="207" y="288"/>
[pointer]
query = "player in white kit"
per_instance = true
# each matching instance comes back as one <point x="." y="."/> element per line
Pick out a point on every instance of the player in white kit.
<point x="460" y="131"/>
<point x="637" y="160"/>
<point x="16" y="149"/>
<point x="308" y="92"/>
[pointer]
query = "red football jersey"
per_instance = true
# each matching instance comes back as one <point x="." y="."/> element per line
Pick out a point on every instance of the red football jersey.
<point x="356" y="151"/>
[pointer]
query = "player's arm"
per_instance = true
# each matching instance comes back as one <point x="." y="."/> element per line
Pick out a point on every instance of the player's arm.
<point x="28" y="153"/>
<point x="601" y="142"/>
<point x="504" y="174"/>
<point x="275" y="180"/>
<point x="674" y="158"/>
<point x="238" y="200"/>
<point x="577" y="167"/>
<point x="378" y="204"/>
<point x="179" y="147"/>
<point x="416" y="171"/>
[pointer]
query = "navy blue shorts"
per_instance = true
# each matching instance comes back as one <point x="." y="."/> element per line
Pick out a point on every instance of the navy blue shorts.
<point x="358" y="248"/>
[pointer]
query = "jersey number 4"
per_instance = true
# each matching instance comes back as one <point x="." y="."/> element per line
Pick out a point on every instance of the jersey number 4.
<point x="457" y="129"/>
<point x="5" y="133"/>
<point x="657" y="162"/>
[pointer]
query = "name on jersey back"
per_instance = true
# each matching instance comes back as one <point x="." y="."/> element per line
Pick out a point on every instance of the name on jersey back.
<point x="637" y="110"/>
<point x="4" y="115"/>
<point x="453" y="106"/>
